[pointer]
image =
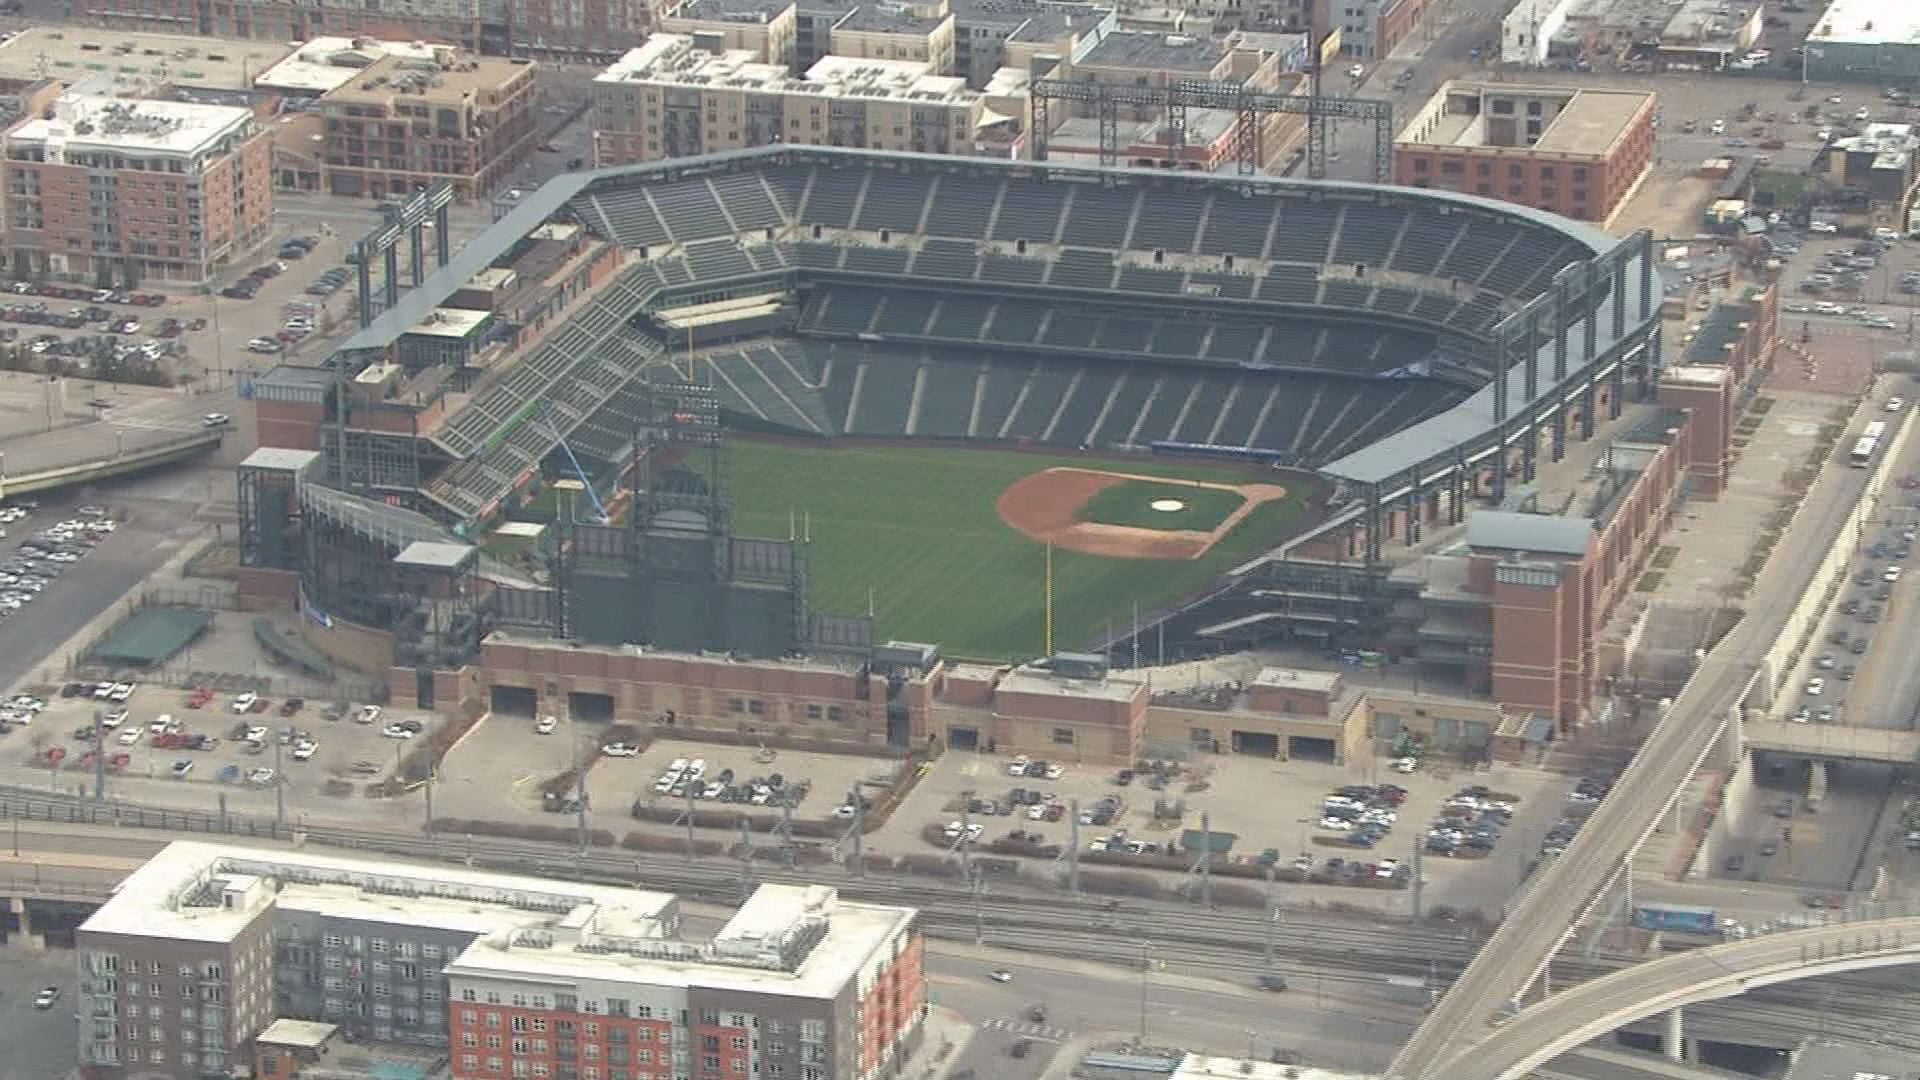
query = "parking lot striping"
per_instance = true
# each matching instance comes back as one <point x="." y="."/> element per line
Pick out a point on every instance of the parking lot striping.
<point x="465" y="735"/>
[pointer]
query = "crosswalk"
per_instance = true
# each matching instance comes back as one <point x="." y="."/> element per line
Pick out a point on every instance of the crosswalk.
<point x="1027" y="1030"/>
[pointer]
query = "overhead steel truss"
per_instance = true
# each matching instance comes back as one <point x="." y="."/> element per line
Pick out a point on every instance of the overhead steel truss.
<point x="1105" y="103"/>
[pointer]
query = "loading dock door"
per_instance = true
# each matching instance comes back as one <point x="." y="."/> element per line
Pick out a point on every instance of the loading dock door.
<point x="963" y="738"/>
<point x="1257" y="743"/>
<point x="590" y="708"/>
<point x="1301" y="748"/>
<point x="512" y="701"/>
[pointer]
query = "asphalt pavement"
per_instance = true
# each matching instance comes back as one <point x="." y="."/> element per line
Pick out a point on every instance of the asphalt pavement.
<point x="40" y="1043"/>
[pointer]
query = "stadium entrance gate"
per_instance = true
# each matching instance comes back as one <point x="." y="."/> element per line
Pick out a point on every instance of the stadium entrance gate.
<point x="590" y="708"/>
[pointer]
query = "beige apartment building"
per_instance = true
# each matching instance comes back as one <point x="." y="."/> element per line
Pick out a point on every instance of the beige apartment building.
<point x="880" y="32"/>
<point x="680" y="95"/>
<point x="766" y="28"/>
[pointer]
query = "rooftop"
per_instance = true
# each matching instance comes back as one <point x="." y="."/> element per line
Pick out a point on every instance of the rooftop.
<point x="435" y="556"/>
<point x="1704" y="24"/>
<point x="449" y="322"/>
<point x="1031" y="680"/>
<point x="1695" y="374"/>
<point x="274" y="457"/>
<point x="84" y="122"/>
<point x="885" y="19"/>
<point x="1154" y="52"/>
<point x="178" y="893"/>
<point x="1548" y="533"/>
<point x="671" y="59"/>
<point x="792" y="940"/>
<point x="1324" y="682"/>
<point x="73" y="53"/>
<point x="1868" y="22"/>
<point x="453" y="79"/>
<point x="731" y="11"/>
<point x="302" y="1033"/>
<point x="1581" y="121"/>
<point x="328" y="63"/>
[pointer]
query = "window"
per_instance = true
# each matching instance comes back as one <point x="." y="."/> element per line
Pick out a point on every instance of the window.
<point x="1579" y="173"/>
<point x="1502" y="108"/>
<point x="1533" y="108"/>
<point x="1515" y="171"/>
<point x="1449" y="166"/>
<point x="739" y="1042"/>
<point x="468" y="1016"/>
<point x="1063" y="736"/>
<point x="519" y="1023"/>
<point x="1420" y="164"/>
<point x="1546" y="172"/>
<point x="469" y="995"/>
<point x="813" y="712"/>
<point x="736" y="705"/>
<point x="836" y="714"/>
<point x="519" y="1047"/>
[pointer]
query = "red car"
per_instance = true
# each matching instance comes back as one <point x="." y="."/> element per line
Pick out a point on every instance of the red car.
<point x="1910" y="481"/>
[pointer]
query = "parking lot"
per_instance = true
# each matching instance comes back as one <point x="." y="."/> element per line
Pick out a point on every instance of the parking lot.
<point x="179" y="746"/>
<point x="508" y="754"/>
<point x="1272" y="810"/>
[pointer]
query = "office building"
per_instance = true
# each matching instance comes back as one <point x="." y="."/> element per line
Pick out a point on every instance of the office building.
<point x="126" y="191"/>
<point x="403" y="123"/>
<point x="205" y="954"/>
<point x="1579" y="153"/>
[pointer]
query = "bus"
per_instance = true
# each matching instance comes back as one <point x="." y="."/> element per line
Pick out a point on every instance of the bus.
<point x="1868" y="445"/>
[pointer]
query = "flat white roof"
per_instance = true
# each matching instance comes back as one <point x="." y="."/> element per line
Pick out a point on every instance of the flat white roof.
<point x="450" y="322"/>
<point x="1868" y="22"/>
<point x="327" y="63"/>
<point x="1325" y="682"/>
<point x="1036" y="681"/>
<point x="1699" y="374"/>
<point x="850" y="936"/>
<point x="72" y="53"/>
<point x="84" y="122"/>
<point x="307" y="1033"/>
<point x="671" y="60"/>
<point x="167" y="896"/>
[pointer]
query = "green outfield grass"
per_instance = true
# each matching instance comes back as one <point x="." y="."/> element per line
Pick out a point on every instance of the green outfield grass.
<point x="1131" y="503"/>
<point x="915" y="529"/>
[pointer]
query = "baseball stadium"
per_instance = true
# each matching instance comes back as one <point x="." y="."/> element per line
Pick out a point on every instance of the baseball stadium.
<point x="803" y="402"/>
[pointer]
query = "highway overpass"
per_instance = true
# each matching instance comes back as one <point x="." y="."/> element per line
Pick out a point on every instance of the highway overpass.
<point x="1534" y="1036"/>
<point x="130" y="429"/>
<point x="1564" y="891"/>
<point x="1828" y="742"/>
<point x="118" y="459"/>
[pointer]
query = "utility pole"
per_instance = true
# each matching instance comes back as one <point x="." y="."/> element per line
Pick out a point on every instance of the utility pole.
<point x="1206" y="859"/>
<point x="1073" y="846"/>
<point x="280" y="789"/>
<point x="1273" y="914"/>
<point x="786" y="829"/>
<point x="859" y="831"/>
<point x="1145" y="946"/>
<point x="580" y="787"/>
<point x="746" y="858"/>
<point x="1419" y="848"/>
<point x="689" y="818"/>
<point x="979" y="916"/>
<point x="433" y="774"/>
<point x="965" y="839"/>
<point x="100" y="755"/>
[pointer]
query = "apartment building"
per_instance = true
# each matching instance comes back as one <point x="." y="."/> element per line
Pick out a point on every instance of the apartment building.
<point x="203" y="949"/>
<point x="767" y="28"/>
<point x="124" y="191"/>
<point x="888" y="32"/>
<point x="680" y="95"/>
<point x="1576" y="152"/>
<point x="403" y="123"/>
<point x="475" y="25"/>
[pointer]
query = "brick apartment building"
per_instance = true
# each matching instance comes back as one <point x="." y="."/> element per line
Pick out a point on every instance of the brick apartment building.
<point x="207" y="960"/>
<point x="1579" y="153"/>
<point x="126" y="191"/>
<point x="402" y="124"/>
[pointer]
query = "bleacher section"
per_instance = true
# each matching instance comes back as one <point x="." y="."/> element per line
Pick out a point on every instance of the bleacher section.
<point x="1071" y="313"/>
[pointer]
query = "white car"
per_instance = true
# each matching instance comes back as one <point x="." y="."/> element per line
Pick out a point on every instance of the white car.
<point x="1055" y="772"/>
<point x="130" y="736"/>
<point x="368" y="714"/>
<point x="305" y="749"/>
<point x="215" y="419"/>
<point x="1406" y="764"/>
<point x="1890" y="575"/>
<point x="1816" y="687"/>
<point x="161" y="723"/>
<point x="1018" y="766"/>
<point x="244" y="702"/>
<point x="122" y="691"/>
<point x="620" y="750"/>
<point x="1357" y="72"/>
<point x="257" y="733"/>
<point x="261" y="776"/>
<point x="1000" y="975"/>
<point x="545" y="726"/>
<point x="395" y="731"/>
<point x="697" y="769"/>
<point x="1896" y="404"/>
<point x="1822" y="226"/>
